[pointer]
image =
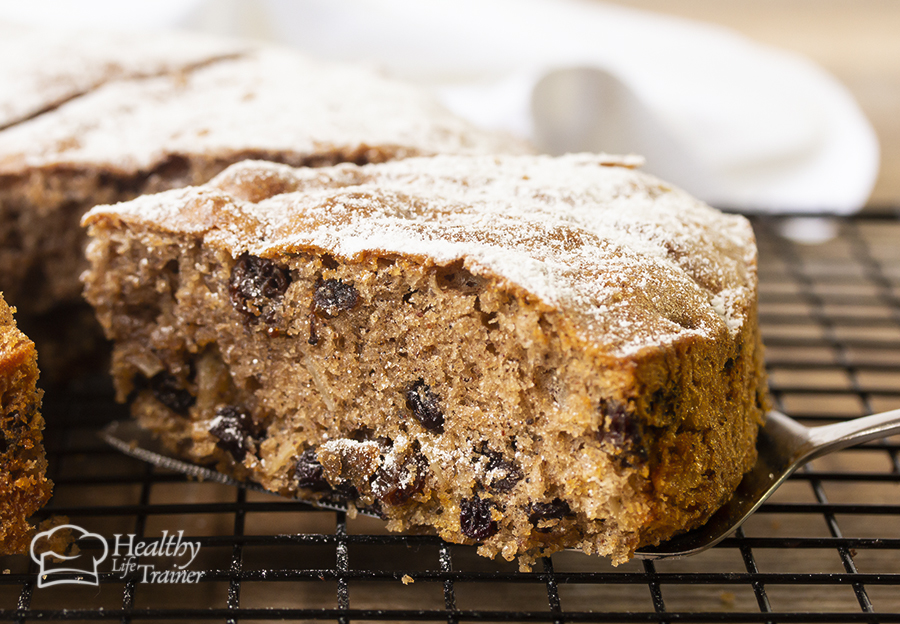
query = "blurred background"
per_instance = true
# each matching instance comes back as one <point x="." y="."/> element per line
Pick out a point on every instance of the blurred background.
<point x="856" y="40"/>
<point x="752" y="105"/>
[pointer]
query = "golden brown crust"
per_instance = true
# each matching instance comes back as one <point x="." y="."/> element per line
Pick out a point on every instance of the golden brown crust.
<point x="24" y="487"/>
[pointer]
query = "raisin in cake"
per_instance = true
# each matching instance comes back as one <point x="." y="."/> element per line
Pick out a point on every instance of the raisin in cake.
<point x="88" y="118"/>
<point x="24" y="487"/>
<point x="529" y="353"/>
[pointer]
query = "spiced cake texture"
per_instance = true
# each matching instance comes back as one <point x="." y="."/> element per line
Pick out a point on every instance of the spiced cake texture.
<point x="529" y="353"/>
<point x="89" y="118"/>
<point x="24" y="486"/>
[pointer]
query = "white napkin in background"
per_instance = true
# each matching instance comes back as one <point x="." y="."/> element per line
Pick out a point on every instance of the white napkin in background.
<point x="736" y="123"/>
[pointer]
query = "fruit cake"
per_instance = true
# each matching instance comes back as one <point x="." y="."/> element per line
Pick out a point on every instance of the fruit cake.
<point x="88" y="118"/>
<point x="24" y="486"/>
<point x="525" y="352"/>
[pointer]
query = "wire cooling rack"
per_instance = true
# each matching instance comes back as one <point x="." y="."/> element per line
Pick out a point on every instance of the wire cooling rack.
<point x="825" y="548"/>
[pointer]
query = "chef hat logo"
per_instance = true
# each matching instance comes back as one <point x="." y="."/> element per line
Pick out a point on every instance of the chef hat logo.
<point x="58" y="569"/>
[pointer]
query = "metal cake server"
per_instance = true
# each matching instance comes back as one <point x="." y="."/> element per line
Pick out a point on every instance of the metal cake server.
<point x="784" y="445"/>
<point x="128" y="437"/>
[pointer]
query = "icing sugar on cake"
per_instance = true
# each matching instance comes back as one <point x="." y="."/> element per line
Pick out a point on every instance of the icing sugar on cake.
<point x="635" y="259"/>
<point x="55" y="65"/>
<point x="272" y="100"/>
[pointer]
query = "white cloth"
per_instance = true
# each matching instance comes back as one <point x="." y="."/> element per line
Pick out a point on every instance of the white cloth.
<point x="739" y="124"/>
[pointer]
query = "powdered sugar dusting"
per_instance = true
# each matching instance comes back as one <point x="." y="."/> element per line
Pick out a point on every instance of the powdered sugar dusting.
<point x="635" y="262"/>
<point x="265" y="101"/>
<point x="53" y="65"/>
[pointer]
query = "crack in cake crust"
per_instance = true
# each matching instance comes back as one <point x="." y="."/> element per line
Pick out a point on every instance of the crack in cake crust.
<point x="182" y="69"/>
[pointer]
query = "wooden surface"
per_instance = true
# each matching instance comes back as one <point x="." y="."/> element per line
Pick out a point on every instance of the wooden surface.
<point x="858" y="41"/>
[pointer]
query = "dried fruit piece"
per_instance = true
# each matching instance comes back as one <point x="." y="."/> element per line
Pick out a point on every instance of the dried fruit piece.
<point x="502" y="474"/>
<point x="623" y="430"/>
<point x="168" y="391"/>
<point x="254" y="283"/>
<point x="542" y="512"/>
<point x="234" y="429"/>
<point x="345" y="491"/>
<point x="332" y="296"/>
<point x="423" y="403"/>
<point x="475" y="518"/>
<point x="395" y="484"/>
<point x="309" y="472"/>
<point x="313" y="334"/>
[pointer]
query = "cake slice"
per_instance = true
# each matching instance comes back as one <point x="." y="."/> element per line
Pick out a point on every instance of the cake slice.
<point x="24" y="486"/>
<point x="529" y="353"/>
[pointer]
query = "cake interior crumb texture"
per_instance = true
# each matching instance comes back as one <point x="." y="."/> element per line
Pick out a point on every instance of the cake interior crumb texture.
<point x="527" y="353"/>
<point x="24" y="487"/>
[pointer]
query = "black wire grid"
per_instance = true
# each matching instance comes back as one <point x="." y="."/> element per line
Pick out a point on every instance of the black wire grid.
<point x="826" y="548"/>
